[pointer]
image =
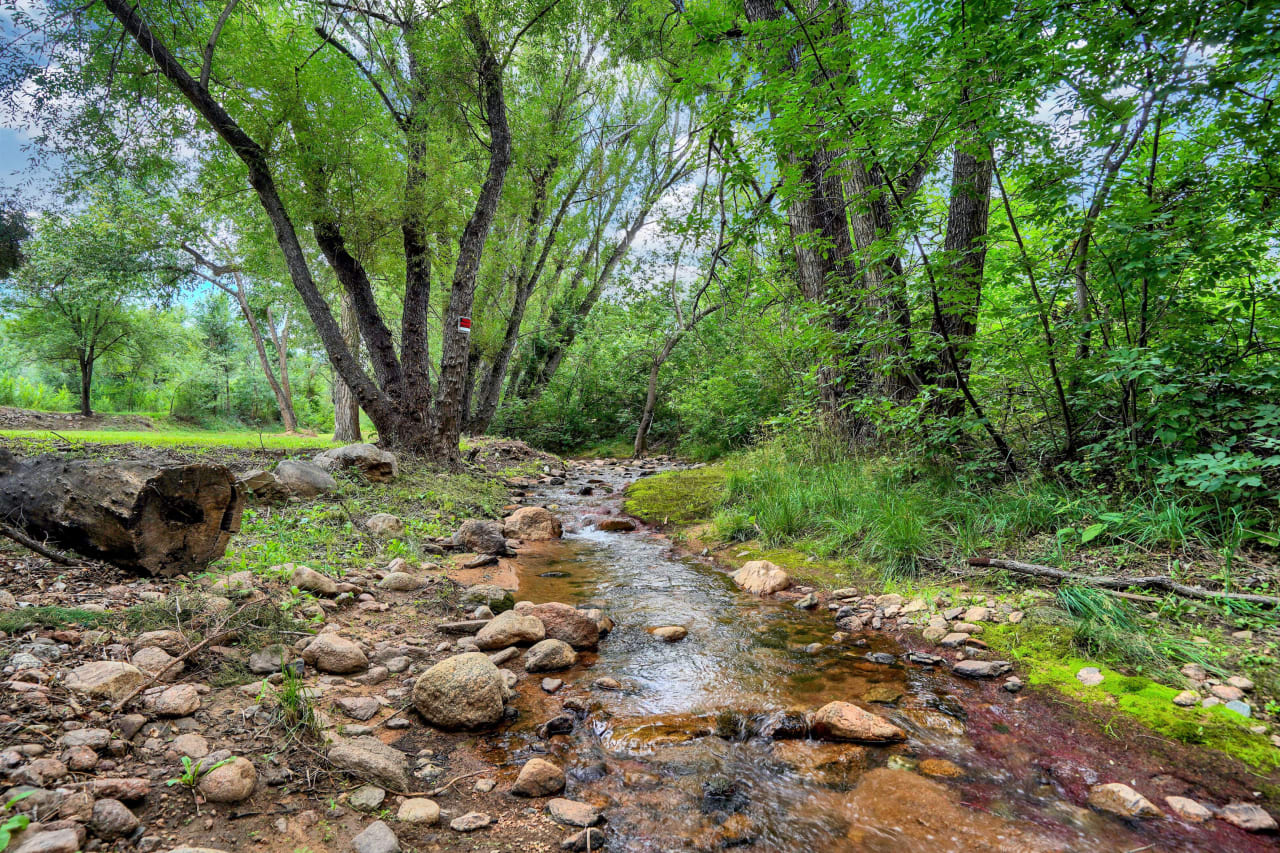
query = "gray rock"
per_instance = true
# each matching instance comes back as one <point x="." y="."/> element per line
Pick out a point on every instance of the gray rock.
<point x="49" y="841"/>
<point x="105" y="679"/>
<point x="981" y="668"/>
<point x="1090" y="676"/>
<point x="461" y="692"/>
<point x="269" y="659"/>
<point x="377" y="837"/>
<point x="371" y="759"/>
<point x="550" y="656"/>
<point x="229" y="783"/>
<point x="418" y="810"/>
<point x="93" y="738"/>
<point x="305" y="479"/>
<point x="1241" y="708"/>
<point x="264" y="486"/>
<point x="309" y="580"/>
<point x="359" y="707"/>
<point x="482" y="537"/>
<point x="112" y="819"/>
<point x="401" y="582"/>
<point x="572" y="812"/>
<point x="377" y="465"/>
<point x="494" y="597"/>
<point x="509" y="629"/>
<point x="329" y="652"/>
<point x="470" y="822"/>
<point x="177" y="701"/>
<point x="1247" y="816"/>
<point x="367" y="798"/>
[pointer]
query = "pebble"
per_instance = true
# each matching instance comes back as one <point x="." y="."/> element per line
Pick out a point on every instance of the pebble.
<point x="1090" y="676"/>
<point x="1248" y="817"/>
<point x="572" y="812"/>
<point x="470" y="822"/>
<point x="1188" y="809"/>
<point x="367" y="798"/>
<point x="1186" y="699"/>
<point x="1121" y="800"/>
<point x="551" y="685"/>
<point x="377" y="837"/>
<point x="418" y="810"/>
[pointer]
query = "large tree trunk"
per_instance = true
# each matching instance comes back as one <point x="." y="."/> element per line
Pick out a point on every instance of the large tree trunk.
<point x="346" y="411"/>
<point x="157" y="520"/>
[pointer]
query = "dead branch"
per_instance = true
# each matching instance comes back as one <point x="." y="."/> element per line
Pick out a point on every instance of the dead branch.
<point x="27" y="542"/>
<point x="1162" y="582"/>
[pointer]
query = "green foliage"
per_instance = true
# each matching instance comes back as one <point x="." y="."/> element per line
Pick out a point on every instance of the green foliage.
<point x="193" y="770"/>
<point x="13" y="823"/>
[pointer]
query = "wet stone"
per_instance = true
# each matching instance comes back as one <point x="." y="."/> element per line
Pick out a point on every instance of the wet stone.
<point x="1248" y="817"/>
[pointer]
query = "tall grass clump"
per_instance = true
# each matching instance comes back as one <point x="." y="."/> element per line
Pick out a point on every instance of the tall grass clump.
<point x="901" y="516"/>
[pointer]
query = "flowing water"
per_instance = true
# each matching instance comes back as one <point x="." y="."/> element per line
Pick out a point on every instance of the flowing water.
<point x="698" y="750"/>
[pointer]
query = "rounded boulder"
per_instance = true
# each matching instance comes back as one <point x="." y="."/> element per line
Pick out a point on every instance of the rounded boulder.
<point x="461" y="692"/>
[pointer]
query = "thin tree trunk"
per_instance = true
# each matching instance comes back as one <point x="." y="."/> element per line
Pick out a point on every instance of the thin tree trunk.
<point x="280" y="340"/>
<point x="346" y="411"/>
<point x="86" y="386"/>
<point x="956" y="320"/>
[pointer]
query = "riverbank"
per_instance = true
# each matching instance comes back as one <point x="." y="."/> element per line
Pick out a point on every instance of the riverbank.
<point x="1166" y="665"/>
<point x="684" y="721"/>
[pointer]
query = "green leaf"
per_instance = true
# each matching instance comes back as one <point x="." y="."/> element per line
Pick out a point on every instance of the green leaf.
<point x="1093" y="531"/>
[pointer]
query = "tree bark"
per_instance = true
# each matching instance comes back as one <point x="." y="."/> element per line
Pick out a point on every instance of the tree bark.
<point x="86" y="385"/>
<point x="281" y="341"/>
<point x="447" y="411"/>
<point x="346" y="411"/>
<point x="156" y="520"/>
<point x="956" y="320"/>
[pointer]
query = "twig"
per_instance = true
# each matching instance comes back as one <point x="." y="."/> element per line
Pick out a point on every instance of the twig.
<point x="1108" y="582"/>
<point x="48" y="553"/>
<point x="182" y="657"/>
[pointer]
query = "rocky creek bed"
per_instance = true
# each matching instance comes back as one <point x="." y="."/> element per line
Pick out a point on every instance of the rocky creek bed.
<point x="533" y="691"/>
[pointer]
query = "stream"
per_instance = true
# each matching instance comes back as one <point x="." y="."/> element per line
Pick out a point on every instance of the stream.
<point x="698" y="750"/>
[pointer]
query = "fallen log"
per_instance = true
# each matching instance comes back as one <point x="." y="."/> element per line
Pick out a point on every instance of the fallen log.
<point x="1162" y="582"/>
<point x="159" y="520"/>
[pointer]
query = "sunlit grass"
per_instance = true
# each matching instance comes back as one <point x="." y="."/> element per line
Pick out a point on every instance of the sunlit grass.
<point x="240" y="439"/>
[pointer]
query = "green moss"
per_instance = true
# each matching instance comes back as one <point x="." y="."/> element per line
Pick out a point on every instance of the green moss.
<point x="1046" y="654"/>
<point x="677" y="497"/>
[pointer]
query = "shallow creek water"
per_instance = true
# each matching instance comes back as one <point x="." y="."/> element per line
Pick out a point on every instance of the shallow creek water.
<point x="678" y="761"/>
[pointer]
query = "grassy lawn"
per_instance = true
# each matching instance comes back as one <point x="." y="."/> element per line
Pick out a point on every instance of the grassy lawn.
<point x="175" y="438"/>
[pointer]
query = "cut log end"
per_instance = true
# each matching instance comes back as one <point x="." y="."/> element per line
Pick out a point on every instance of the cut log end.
<point x="156" y="520"/>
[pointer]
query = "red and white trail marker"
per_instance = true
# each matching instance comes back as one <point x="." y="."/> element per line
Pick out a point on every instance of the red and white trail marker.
<point x="464" y="325"/>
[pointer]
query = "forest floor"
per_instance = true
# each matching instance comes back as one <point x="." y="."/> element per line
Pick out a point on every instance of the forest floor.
<point x="107" y="777"/>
